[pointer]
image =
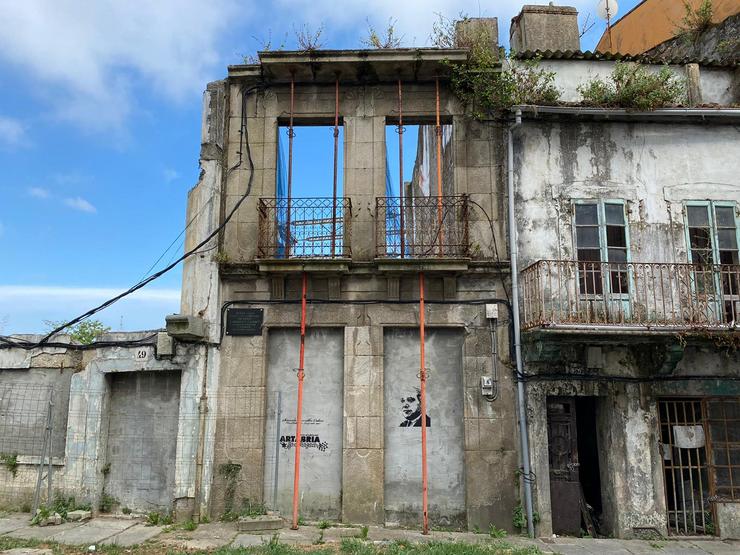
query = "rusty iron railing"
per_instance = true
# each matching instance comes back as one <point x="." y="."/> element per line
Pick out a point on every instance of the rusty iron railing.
<point x="304" y="227"/>
<point x="652" y="295"/>
<point x="430" y="227"/>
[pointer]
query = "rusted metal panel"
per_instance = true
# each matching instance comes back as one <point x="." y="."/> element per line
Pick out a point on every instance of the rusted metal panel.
<point x="304" y="228"/>
<point x="432" y="227"/>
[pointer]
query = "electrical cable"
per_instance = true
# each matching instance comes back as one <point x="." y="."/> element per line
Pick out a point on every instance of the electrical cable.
<point x="244" y="138"/>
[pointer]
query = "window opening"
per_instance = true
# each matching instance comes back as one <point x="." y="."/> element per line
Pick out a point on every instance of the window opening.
<point x="723" y="424"/>
<point x="712" y="240"/>
<point x="601" y="237"/>
<point x="430" y="223"/>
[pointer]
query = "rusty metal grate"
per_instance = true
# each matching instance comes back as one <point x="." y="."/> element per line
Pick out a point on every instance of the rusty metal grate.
<point x="633" y="294"/>
<point x="685" y="467"/>
<point x="722" y="415"/>
<point x="422" y="227"/>
<point x="304" y="227"/>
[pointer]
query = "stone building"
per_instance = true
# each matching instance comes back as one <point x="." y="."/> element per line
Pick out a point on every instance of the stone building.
<point x="625" y="274"/>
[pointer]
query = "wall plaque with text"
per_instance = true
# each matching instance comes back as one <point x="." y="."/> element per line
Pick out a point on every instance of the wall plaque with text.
<point x="244" y="321"/>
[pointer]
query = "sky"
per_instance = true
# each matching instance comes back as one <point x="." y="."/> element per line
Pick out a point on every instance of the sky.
<point x="100" y="108"/>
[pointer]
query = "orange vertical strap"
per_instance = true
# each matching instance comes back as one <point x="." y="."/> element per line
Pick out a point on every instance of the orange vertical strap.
<point x="336" y="158"/>
<point x="439" y="176"/>
<point x="299" y="410"/>
<point x="291" y="134"/>
<point x="423" y="380"/>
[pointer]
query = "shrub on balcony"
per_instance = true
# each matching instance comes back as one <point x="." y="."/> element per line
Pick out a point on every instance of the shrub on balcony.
<point x="633" y="86"/>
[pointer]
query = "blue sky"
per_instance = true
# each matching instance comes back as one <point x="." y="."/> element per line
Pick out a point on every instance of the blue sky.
<point x="100" y="129"/>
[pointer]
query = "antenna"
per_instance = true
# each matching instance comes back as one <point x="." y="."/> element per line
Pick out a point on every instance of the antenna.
<point x="606" y="9"/>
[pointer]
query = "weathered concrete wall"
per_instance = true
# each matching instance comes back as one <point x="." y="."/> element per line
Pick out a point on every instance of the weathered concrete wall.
<point x="403" y="473"/>
<point x="716" y="83"/>
<point x="322" y="422"/>
<point x="364" y="111"/>
<point x="654" y="168"/>
<point x="488" y="431"/>
<point x="82" y="468"/>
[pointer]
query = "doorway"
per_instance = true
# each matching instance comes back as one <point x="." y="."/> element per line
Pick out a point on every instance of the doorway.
<point x="575" y="484"/>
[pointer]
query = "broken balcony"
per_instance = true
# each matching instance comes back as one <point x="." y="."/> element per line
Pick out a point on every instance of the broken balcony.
<point x="302" y="229"/>
<point x="642" y="296"/>
<point x="430" y="230"/>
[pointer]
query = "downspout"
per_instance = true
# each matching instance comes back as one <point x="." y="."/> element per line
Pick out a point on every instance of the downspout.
<point x="513" y="251"/>
<point x="202" y="413"/>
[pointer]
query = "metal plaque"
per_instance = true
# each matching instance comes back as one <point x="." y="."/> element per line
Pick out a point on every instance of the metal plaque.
<point x="244" y="321"/>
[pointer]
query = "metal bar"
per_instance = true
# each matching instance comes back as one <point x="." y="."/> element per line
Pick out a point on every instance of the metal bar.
<point x="423" y="384"/>
<point x="336" y="168"/>
<point x="402" y="216"/>
<point x="691" y="476"/>
<point x="439" y="172"/>
<point x="291" y="134"/>
<point x="299" y="411"/>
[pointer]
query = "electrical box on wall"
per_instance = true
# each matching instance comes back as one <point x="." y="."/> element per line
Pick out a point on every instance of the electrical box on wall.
<point x="486" y="385"/>
<point x="492" y="311"/>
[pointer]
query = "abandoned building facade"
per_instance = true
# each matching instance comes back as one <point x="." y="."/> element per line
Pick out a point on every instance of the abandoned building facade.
<point x="366" y="321"/>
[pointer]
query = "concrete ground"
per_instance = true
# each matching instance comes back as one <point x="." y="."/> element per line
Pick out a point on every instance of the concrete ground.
<point x="129" y="532"/>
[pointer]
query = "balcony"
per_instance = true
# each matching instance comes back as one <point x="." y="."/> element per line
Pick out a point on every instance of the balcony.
<point x="640" y="296"/>
<point x="302" y="228"/>
<point x="422" y="227"/>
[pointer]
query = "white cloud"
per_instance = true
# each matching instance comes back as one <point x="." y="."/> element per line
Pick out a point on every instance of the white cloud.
<point x="170" y="174"/>
<point x="39" y="192"/>
<point x="79" y="203"/>
<point x="12" y="132"/>
<point x="25" y="308"/>
<point x="14" y="292"/>
<point x="94" y="53"/>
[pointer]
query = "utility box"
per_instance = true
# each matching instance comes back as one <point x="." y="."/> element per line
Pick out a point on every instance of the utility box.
<point x="185" y="327"/>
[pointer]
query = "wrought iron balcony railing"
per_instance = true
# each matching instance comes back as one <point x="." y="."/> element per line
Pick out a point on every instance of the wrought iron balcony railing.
<point x="422" y="227"/>
<point x="640" y="295"/>
<point x="304" y="227"/>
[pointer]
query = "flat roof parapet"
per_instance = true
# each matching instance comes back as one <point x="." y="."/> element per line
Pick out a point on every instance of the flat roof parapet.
<point x="372" y="65"/>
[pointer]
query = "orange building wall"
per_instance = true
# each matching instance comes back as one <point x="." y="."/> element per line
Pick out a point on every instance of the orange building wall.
<point x="655" y="21"/>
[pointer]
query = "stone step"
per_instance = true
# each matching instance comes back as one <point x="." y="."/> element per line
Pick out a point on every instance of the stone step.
<point x="258" y="523"/>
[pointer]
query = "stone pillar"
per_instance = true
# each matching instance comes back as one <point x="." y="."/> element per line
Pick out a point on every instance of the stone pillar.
<point x="362" y="476"/>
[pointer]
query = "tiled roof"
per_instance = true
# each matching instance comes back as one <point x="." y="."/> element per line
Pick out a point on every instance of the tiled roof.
<point x="609" y="56"/>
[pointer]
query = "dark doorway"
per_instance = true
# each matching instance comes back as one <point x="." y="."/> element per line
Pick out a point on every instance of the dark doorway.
<point x="575" y="487"/>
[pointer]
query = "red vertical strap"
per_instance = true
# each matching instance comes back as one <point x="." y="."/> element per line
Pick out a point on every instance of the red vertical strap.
<point x="299" y="410"/>
<point x="440" y="230"/>
<point x="423" y="381"/>
<point x="402" y="230"/>
<point x="336" y="158"/>
<point x="291" y="134"/>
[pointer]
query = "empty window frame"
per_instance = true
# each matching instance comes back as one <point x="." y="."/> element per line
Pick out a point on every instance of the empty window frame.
<point x="310" y="217"/>
<point x="416" y="230"/>
<point x="601" y="236"/>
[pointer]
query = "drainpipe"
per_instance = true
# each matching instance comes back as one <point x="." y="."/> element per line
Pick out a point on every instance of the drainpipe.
<point x="199" y="466"/>
<point x="517" y="329"/>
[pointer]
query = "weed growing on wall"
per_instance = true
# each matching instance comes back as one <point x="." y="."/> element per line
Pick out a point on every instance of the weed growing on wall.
<point x="10" y="462"/>
<point x="633" y="86"/>
<point x="695" y="21"/>
<point x="490" y="81"/>
<point x="387" y="38"/>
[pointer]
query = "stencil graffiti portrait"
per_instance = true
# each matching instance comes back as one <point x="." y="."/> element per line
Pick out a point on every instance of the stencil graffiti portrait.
<point x="411" y="410"/>
<point x="403" y="421"/>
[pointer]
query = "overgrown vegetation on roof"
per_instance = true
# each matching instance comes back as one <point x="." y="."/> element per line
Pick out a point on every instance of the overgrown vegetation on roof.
<point x="695" y="20"/>
<point x="84" y="332"/>
<point x="490" y="81"/>
<point x="388" y="38"/>
<point x="633" y="86"/>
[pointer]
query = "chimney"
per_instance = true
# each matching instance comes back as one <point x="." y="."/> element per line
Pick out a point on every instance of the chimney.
<point x="469" y="30"/>
<point x="545" y="28"/>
